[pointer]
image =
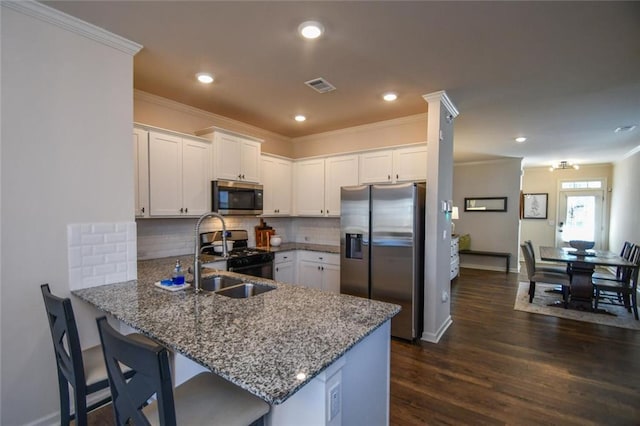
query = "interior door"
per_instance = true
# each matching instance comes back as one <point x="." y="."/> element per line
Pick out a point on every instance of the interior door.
<point x="580" y="215"/>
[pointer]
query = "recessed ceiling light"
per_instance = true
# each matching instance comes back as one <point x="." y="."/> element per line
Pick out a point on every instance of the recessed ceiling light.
<point x="521" y="139"/>
<point x="204" y="77"/>
<point x="390" y="96"/>
<point x="311" y="29"/>
<point x="300" y="118"/>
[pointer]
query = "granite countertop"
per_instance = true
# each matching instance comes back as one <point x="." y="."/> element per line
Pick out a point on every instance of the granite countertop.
<point x="261" y="344"/>
<point x="325" y="248"/>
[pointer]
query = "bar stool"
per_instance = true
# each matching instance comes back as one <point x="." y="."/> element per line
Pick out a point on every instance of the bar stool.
<point x="84" y="370"/>
<point x="204" y="399"/>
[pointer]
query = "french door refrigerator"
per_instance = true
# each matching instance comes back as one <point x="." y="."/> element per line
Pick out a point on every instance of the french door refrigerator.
<point x="382" y="249"/>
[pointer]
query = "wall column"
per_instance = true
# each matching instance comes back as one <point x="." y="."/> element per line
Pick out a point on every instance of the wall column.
<point x="437" y="314"/>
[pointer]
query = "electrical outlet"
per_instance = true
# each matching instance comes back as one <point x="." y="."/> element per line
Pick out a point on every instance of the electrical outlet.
<point x="334" y="401"/>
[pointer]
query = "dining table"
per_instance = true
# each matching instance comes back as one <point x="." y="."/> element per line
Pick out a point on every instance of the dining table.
<point x="582" y="265"/>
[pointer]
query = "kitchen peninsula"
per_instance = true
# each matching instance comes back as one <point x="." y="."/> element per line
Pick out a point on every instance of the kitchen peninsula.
<point x="294" y="347"/>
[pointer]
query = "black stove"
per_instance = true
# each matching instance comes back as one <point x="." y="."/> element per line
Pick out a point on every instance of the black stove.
<point x="242" y="259"/>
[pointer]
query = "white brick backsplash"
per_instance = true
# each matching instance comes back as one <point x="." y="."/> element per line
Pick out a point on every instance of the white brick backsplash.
<point x="101" y="253"/>
<point x="172" y="237"/>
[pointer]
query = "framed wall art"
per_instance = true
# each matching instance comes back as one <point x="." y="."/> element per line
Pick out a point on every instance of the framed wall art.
<point x="535" y="206"/>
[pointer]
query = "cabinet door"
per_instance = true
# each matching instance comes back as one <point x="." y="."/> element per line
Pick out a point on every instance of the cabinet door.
<point x="339" y="171"/>
<point x="249" y="160"/>
<point x="309" y="188"/>
<point x="196" y="178"/>
<point x="141" y="172"/>
<point x="331" y="278"/>
<point x="410" y="164"/>
<point x="376" y="167"/>
<point x="276" y="181"/>
<point x="310" y="274"/>
<point x="226" y="157"/>
<point x="269" y="187"/>
<point x="284" y="272"/>
<point x="165" y="174"/>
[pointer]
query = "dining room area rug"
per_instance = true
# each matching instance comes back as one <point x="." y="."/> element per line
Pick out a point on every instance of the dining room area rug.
<point x="543" y="299"/>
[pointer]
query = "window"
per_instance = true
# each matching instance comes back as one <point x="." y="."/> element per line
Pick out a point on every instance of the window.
<point x="582" y="184"/>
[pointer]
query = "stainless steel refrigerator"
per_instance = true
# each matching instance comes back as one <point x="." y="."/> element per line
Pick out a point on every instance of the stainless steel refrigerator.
<point x="382" y="249"/>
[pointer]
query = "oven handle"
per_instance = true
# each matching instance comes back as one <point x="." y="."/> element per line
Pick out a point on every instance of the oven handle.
<point x="239" y="269"/>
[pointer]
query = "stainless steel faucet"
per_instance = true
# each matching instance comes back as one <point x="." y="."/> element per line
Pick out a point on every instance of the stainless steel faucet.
<point x="197" y="268"/>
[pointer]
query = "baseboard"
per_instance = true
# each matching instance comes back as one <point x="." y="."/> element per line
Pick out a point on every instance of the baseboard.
<point x="53" y="419"/>
<point x="435" y="337"/>
<point x="488" y="268"/>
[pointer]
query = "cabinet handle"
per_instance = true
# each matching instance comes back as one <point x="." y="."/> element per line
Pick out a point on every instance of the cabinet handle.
<point x="242" y="176"/>
<point x="318" y="268"/>
<point x="322" y="268"/>
<point x="181" y="210"/>
<point x="327" y="211"/>
<point x="397" y="176"/>
<point x="321" y="211"/>
<point x="388" y="177"/>
<point x="239" y="176"/>
<point x="277" y="269"/>
<point x="186" y="210"/>
<point x="142" y="210"/>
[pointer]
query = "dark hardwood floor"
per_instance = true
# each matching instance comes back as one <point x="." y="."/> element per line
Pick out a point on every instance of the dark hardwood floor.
<point x="499" y="366"/>
<point x="496" y="365"/>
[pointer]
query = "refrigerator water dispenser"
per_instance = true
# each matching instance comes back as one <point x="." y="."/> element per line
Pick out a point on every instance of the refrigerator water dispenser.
<point x="353" y="246"/>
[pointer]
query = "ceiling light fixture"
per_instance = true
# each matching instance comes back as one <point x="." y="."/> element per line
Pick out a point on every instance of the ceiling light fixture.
<point x="623" y="129"/>
<point x="521" y="139"/>
<point x="564" y="165"/>
<point x="390" y="96"/>
<point x="204" y="77"/>
<point x="300" y="118"/>
<point x="311" y="29"/>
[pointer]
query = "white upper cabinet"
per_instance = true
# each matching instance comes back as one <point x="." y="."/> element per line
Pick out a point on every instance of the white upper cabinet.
<point x="235" y="157"/>
<point x="376" y="166"/>
<point x="179" y="175"/>
<point x="277" y="177"/>
<point x="141" y="172"/>
<point x="394" y="165"/>
<point x="410" y="164"/>
<point x="339" y="171"/>
<point x="309" y="187"/>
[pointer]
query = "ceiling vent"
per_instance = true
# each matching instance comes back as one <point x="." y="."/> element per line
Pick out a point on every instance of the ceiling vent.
<point x="320" y="85"/>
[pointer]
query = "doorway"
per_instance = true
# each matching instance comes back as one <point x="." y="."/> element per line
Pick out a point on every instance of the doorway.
<point x="581" y="213"/>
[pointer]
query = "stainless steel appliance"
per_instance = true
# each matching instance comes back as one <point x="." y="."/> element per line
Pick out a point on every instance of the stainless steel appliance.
<point x="382" y="249"/>
<point x="242" y="259"/>
<point x="236" y="198"/>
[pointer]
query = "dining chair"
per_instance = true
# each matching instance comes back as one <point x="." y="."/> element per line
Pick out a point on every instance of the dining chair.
<point x="83" y="370"/>
<point x="546" y="268"/>
<point x="622" y="291"/>
<point x="204" y="399"/>
<point x="536" y="275"/>
<point x="627" y="249"/>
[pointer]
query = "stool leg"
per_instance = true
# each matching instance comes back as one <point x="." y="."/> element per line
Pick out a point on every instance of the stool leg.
<point x="80" y="400"/>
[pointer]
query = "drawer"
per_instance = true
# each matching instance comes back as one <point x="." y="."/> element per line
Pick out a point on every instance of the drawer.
<point x="284" y="256"/>
<point x="318" y="256"/>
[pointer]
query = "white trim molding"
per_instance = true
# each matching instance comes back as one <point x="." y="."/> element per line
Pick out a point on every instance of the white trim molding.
<point x="435" y="337"/>
<point x="442" y="96"/>
<point x="70" y="23"/>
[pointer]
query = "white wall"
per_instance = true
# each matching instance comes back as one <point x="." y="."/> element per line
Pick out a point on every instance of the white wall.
<point x="490" y="231"/>
<point x="625" y="202"/>
<point x="66" y="158"/>
<point x="541" y="180"/>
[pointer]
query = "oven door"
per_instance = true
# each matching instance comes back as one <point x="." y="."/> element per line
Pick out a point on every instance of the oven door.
<point x="262" y="270"/>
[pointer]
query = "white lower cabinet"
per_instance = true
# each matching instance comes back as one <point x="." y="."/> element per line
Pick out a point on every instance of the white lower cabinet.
<point x="319" y="270"/>
<point x="284" y="267"/>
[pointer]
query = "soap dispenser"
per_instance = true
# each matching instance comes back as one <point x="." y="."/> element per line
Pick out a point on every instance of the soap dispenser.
<point x="178" y="275"/>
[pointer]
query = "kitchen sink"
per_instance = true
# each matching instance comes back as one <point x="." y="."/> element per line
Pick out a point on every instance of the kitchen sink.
<point x="244" y="290"/>
<point x="218" y="282"/>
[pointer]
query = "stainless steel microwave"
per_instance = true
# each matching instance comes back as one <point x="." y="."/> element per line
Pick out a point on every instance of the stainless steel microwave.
<point x="236" y="198"/>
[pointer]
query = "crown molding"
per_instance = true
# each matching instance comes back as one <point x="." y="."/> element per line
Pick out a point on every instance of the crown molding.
<point x="222" y="120"/>
<point x="441" y="96"/>
<point x="631" y="153"/>
<point x="370" y="126"/>
<point x="490" y="161"/>
<point x="73" y="24"/>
